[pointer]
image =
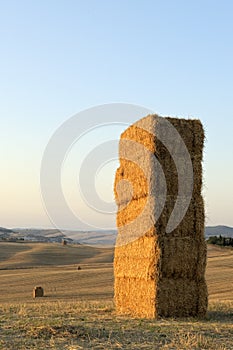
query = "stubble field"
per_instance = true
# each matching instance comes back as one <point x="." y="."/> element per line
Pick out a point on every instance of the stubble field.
<point x="78" y="312"/>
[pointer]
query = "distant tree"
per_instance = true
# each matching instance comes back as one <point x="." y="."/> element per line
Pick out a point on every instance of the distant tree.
<point x="220" y="240"/>
<point x="212" y="240"/>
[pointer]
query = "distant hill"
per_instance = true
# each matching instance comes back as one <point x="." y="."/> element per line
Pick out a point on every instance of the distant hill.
<point x="5" y="230"/>
<point x="225" y="231"/>
<point x="38" y="235"/>
<point x="41" y="235"/>
<point x="30" y="254"/>
<point x="92" y="238"/>
<point x="5" y="233"/>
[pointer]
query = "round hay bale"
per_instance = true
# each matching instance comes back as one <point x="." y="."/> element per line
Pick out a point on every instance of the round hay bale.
<point x="38" y="292"/>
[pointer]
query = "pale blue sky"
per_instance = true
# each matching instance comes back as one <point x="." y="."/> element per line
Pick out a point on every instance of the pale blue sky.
<point x="60" y="57"/>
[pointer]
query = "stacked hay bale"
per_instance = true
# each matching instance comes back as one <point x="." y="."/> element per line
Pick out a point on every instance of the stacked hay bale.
<point x="159" y="273"/>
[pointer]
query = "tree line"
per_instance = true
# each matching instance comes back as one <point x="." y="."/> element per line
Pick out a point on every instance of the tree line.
<point x="221" y="240"/>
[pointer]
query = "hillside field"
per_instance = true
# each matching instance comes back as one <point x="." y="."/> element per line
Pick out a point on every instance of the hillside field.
<point x="77" y="311"/>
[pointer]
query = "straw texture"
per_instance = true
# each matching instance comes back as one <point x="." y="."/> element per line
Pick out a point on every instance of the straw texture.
<point x="159" y="273"/>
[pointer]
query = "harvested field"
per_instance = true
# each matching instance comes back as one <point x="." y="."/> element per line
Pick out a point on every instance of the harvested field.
<point x="28" y="254"/>
<point x="95" y="279"/>
<point x="219" y="273"/>
<point x="55" y="268"/>
<point x="79" y="313"/>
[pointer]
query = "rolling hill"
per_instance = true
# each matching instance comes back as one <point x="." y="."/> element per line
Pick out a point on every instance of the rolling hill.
<point x="225" y="231"/>
<point x="92" y="238"/>
<point x="30" y="254"/>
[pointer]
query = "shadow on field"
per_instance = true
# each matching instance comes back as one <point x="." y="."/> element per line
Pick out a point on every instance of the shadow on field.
<point x="220" y="316"/>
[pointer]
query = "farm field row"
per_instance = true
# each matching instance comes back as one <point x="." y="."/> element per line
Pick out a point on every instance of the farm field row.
<point x="44" y="265"/>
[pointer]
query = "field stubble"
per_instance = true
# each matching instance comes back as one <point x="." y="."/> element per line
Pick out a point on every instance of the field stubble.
<point x="78" y="312"/>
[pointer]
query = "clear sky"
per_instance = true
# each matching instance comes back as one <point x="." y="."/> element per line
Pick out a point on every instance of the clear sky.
<point x="60" y="57"/>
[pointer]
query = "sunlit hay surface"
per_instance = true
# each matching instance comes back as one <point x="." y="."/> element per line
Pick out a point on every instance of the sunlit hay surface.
<point x="159" y="274"/>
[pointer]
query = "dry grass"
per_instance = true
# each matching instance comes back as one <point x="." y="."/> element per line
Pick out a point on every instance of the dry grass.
<point x="94" y="325"/>
<point x="78" y="311"/>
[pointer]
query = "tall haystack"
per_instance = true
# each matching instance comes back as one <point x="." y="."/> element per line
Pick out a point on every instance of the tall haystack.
<point x="160" y="260"/>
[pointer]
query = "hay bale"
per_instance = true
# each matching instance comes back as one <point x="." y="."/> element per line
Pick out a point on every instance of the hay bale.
<point x="38" y="292"/>
<point x="159" y="273"/>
